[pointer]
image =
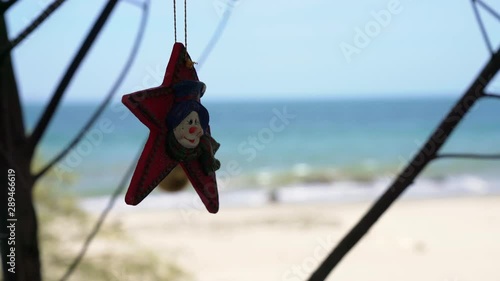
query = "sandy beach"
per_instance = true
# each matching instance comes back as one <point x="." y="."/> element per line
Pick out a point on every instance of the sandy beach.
<point x="455" y="239"/>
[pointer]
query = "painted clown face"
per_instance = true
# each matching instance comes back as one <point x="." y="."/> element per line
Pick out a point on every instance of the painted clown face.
<point x="189" y="131"/>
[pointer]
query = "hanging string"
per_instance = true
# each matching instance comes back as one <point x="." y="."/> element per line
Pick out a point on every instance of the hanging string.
<point x="185" y="25"/>
<point x="185" y="22"/>
<point x="175" y="22"/>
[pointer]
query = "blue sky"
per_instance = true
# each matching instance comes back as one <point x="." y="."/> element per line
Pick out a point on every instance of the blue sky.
<point x="269" y="50"/>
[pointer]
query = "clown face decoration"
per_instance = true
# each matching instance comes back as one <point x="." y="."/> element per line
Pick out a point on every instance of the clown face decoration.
<point x="189" y="131"/>
<point x="188" y="134"/>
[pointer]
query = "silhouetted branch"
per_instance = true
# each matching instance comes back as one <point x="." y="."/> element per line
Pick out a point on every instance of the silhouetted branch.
<point x="108" y="98"/>
<point x="27" y="31"/>
<point x="489" y="9"/>
<point x="135" y="3"/>
<point x="481" y="26"/>
<point x="102" y="217"/>
<point x="77" y="60"/>
<point x="469" y="156"/>
<point x="8" y="159"/>
<point x="492" y="96"/>
<point x="11" y="124"/>
<point x="426" y="154"/>
<point x="5" y="5"/>
<point x="13" y="156"/>
<point x="215" y="37"/>
<point x="5" y="125"/>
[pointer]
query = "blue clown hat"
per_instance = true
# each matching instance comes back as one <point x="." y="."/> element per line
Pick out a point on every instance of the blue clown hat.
<point x="187" y="93"/>
<point x="189" y="90"/>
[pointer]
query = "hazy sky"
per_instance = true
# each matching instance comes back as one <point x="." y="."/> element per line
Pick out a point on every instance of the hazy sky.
<point x="270" y="49"/>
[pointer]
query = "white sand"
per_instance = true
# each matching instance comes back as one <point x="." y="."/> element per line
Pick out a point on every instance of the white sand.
<point x="441" y="240"/>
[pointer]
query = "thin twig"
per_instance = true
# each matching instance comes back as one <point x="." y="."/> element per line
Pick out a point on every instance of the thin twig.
<point x="495" y="96"/>
<point x="469" y="156"/>
<point x="135" y="3"/>
<point x="215" y="37"/>
<point x="489" y="9"/>
<point x="102" y="217"/>
<point x="41" y="127"/>
<point x="109" y="96"/>
<point x="131" y="168"/>
<point x="30" y="28"/>
<point x="481" y="26"/>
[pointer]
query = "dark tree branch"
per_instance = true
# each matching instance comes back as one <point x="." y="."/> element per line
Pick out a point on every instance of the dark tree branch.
<point x="136" y="3"/>
<point x="12" y="116"/>
<point x="469" y="156"/>
<point x="121" y="186"/>
<point x="481" y="26"/>
<point x="5" y="5"/>
<point x="489" y="9"/>
<point x="492" y="96"/>
<point x="28" y="30"/>
<point x="14" y="157"/>
<point x="215" y="37"/>
<point x="77" y="60"/>
<point x="105" y="102"/>
<point x="426" y="154"/>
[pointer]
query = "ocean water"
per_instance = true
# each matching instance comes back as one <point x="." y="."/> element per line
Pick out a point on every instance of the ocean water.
<point x="298" y="145"/>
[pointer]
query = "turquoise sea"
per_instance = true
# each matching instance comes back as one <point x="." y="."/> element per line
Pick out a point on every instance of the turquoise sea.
<point x="295" y="144"/>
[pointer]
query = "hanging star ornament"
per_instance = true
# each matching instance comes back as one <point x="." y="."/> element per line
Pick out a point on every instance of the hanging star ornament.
<point x="179" y="133"/>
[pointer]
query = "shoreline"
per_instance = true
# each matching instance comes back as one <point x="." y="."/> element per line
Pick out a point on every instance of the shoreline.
<point x="277" y="181"/>
<point x="337" y="193"/>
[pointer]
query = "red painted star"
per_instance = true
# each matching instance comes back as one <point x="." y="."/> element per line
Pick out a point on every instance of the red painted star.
<point x="151" y="107"/>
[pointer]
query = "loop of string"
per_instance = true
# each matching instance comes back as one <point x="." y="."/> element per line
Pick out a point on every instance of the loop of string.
<point x="185" y="22"/>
